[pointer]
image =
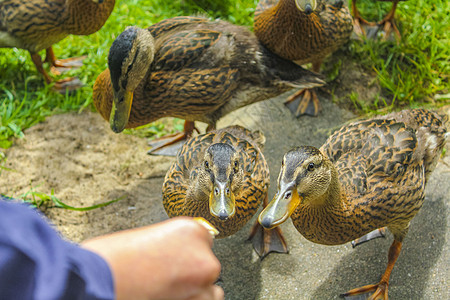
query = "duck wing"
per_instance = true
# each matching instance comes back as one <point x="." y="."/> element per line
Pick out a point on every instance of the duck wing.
<point x="189" y="76"/>
<point x="371" y="154"/>
<point x="168" y="25"/>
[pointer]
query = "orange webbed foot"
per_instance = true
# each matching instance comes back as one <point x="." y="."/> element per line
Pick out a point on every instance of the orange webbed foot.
<point x="380" y="291"/>
<point x="377" y="233"/>
<point x="65" y="85"/>
<point x="63" y="65"/>
<point x="389" y="27"/>
<point x="304" y="102"/>
<point x="267" y="240"/>
<point x="167" y="145"/>
<point x="388" y="24"/>
<point x="359" y="22"/>
<point x="170" y="144"/>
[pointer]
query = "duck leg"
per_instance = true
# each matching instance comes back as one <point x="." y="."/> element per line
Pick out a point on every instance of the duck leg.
<point x="381" y="288"/>
<point x="358" y="21"/>
<point x="61" y="65"/>
<point x="305" y="101"/>
<point x="61" y="86"/>
<point x="37" y="60"/>
<point x="388" y="23"/>
<point x="267" y="240"/>
<point x="170" y="144"/>
<point x="380" y="232"/>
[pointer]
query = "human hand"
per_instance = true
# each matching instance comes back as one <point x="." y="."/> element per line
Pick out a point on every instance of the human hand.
<point x="168" y="260"/>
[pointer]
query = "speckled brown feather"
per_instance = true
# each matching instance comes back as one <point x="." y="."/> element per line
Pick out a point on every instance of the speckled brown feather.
<point x="35" y="25"/>
<point x="181" y="179"/>
<point x="299" y="37"/>
<point x="382" y="165"/>
<point x="202" y="70"/>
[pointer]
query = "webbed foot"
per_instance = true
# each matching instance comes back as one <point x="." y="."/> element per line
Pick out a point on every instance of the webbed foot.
<point x="304" y="102"/>
<point x="380" y="291"/>
<point x="267" y="240"/>
<point x="377" y="233"/>
<point x="170" y="144"/>
<point x="63" y="65"/>
<point x="65" y="85"/>
<point x="167" y="145"/>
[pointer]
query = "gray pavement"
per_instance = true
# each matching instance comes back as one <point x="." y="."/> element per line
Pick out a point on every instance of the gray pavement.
<point x="313" y="271"/>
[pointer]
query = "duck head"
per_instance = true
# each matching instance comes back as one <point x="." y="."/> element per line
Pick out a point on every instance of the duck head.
<point x="304" y="178"/>
<point x="129" y="59"/>
<point x="220" y="177"/>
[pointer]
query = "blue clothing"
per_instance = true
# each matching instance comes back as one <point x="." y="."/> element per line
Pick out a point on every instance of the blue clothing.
<point x="36" y="263"/>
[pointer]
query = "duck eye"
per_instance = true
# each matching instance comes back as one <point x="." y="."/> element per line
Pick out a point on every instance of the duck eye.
<point x="236" y="165"/>
<point x="311" y="167"/>
<point x="206" y="165"/>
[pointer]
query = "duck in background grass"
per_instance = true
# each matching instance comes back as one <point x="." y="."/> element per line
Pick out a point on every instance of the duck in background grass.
<point x="303" y="31"/>
<point x="35" y="25"/>
<point x="388" y="22"/>
<point x="368" y="175"/>
<point x="223" y="177"/>
<point x="190" y="68"/>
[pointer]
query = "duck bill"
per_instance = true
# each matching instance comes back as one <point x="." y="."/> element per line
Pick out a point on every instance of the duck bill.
<point x="280" y="208"/>
<point x="120" y="112"/>
<point x="222" y="201"/>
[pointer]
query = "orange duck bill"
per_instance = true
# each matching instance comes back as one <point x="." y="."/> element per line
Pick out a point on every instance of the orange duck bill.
<point x="281" y="207"/>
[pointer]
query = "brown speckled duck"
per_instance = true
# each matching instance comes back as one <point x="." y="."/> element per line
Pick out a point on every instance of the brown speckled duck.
<point x="388" y="22"/>
<point x="303" y="31"/>
<point x="368" y="175"/>
<point x="190" y="68"/>
<point x="223" y="177"/>
<point x="36" y="25"/>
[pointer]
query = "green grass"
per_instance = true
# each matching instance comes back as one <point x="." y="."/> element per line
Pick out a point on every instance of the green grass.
<point x="44" y="201"/>
<point x="25" y="99"/>
<point x="415" y="71"/>
<point x="410" y="73"/>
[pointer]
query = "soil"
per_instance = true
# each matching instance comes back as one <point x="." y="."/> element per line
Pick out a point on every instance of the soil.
<point x="85" y="163"/>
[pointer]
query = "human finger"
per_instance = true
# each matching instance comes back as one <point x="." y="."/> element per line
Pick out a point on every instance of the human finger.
<point x="213" y="292"/>
<point x="208" y="226"/>
<point x="198" y="228"/>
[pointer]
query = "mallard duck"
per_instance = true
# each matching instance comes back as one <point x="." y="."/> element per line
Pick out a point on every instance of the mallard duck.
<point x="223" y="177"/>
<point x="303" y="31"/>
<point x="368" y="175"/>
<point x="190" y="68"/>
<point x="36" y="25"/>
<point x="387" y="23"/>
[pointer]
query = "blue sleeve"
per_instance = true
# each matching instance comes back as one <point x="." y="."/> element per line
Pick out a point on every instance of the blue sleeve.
<point x="36" y="263"/>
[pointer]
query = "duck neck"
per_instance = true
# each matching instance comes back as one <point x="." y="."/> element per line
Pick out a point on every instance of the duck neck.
<point x="284" y="27"/>
<point x="332" y="199"/>
<point x="324" y="219"/>
<point x="84" y="17"/>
